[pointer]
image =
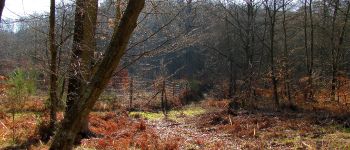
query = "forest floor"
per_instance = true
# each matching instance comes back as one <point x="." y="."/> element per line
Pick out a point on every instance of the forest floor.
<point x="207" y="125"/>
<point x="213" y="128"/>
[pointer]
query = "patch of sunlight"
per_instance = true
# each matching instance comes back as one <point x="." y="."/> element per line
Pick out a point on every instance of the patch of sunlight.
<point x="147" y="115"/>
<point x="338" y="140"/>
<point x="289" y="141"/>
<point x="4" y="144"/>
<point x="84" y="148"/>
<point x="176" y="115"/>
<point x="339" y="135"/>
<point x="181" y="114"/>
<point x="194" y="111"/>
<point x="19" y="115"/>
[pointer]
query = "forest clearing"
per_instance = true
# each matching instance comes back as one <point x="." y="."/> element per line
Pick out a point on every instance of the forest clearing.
<point x="174" y="74"/>
<point x="206" y="125"/>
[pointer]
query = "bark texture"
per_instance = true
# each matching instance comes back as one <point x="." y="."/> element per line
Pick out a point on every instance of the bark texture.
<point x="53" y="67"/>
<point x="74" y="82"/>
<point x="84" y="45"/>
<point x="72" y="121"/>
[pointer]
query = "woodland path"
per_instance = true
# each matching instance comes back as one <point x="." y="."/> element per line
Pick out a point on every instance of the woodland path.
<point x="190" y="137"/>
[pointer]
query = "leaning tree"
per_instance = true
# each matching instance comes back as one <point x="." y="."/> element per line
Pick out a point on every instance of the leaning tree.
<point x="73" y="119"/>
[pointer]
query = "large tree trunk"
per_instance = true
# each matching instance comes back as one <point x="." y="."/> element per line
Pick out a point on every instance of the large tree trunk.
<point x="53" y="67"/>
<point x="72" y="122"/>
<point x="89" y="46"/>
<point x="74" y="72"/>
<point x="83" y="48"/>
<point x="75" y="75"/>
<point x="2" y="5"/>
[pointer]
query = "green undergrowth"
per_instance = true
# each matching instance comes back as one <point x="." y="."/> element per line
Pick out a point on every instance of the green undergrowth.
<point x="344" y="129"/>
<point x="175" y="115"/>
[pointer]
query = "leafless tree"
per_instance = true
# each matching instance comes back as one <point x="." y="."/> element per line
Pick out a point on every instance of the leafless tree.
<point x="84" y="45"/>
<point x="53" y="66"/>
<point x="271" y="10"/>
<point x="72" y="122"/>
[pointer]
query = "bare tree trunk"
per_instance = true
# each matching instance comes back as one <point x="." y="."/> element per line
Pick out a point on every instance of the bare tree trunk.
<point x="164" y="99"/>
<point x="2" y="5"/>
<point x="75" y="76"/>
<point x="59" y="51"/>
<point x="334" y="58"/>
<point x="336" y="52"/>
<point x="231" y="94"/>
<point x="250" y="46"/>
<point x="272" y="16"/>
<point x="53" y="67"/>
<point x="286" y="55"/>
<point x="74" y="83"/>
<point x="131" y="94"/>
<point x="306" y="46"/>
<point x="173" y="87"/>
<point x="311" y="65"/>
<point x="83" y="48"/>
<point x="89" y="46"/>
<point x="325" y="7"/>
<point x="71" y="124"/>
<point x="189" y="19"/>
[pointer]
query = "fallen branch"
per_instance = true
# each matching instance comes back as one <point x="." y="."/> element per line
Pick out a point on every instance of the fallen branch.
<point x="4" y="125"/>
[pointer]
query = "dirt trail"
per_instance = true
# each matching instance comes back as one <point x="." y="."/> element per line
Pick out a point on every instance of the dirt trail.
<point x="190" y="137"/>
